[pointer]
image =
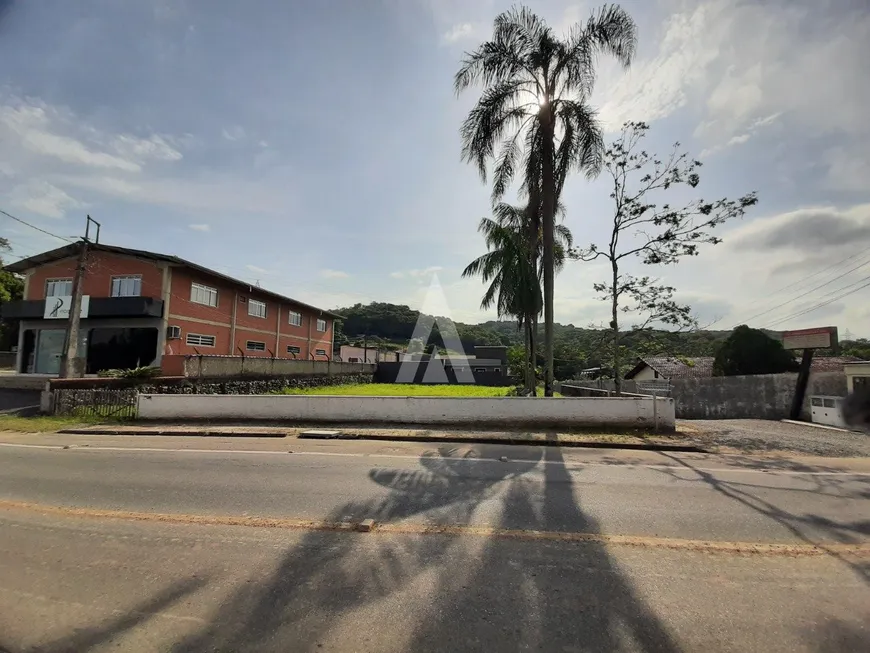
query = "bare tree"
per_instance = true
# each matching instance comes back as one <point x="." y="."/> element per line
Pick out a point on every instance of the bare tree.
<point x="655" y="234"/>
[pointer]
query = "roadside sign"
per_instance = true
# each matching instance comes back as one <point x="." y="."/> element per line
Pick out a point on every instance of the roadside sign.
<point x="816" y="338"/>
<point x="57" y="308"/>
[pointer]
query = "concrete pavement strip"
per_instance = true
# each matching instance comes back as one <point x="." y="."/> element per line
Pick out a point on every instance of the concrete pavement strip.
<point x="607" y="441"/>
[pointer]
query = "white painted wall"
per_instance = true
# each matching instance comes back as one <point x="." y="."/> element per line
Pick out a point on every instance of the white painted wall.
<point x="538" y="412"/>
<point x="646" y="374"/>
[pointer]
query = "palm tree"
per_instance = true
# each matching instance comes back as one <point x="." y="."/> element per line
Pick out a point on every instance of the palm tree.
<point x="511" y="268"/>
<point x="534" y="110"/>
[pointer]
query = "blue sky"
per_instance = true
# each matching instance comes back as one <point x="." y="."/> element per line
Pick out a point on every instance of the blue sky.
<point x="314" y="146"/>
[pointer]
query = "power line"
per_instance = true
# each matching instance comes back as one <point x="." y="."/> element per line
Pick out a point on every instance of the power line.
<point x="827" y="302"/>
<point x="811" y="290"/>
<point x="800" y="281"/>
<point x="815" y="274"/>
<point x="48" y="233"/>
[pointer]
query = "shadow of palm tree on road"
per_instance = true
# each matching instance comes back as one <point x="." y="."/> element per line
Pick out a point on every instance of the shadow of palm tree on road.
<point x="87" y="638"/>
<point x="484" y="593"/>
<point x="747" y="494"/>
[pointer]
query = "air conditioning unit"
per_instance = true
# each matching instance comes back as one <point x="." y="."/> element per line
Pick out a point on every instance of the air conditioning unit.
<point x="243" y="299"/>
<point x="173" y="332"/>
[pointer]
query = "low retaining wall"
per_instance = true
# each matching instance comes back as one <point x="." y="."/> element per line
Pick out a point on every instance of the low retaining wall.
<point x="533" y="412"/>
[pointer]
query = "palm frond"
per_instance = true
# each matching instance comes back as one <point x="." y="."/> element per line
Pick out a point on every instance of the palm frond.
<point x="582" y="145"/>
<point x="496" y="111"/>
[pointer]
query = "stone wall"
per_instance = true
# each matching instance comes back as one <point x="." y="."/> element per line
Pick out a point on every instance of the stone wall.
<point x="237" y="366"/>
<point x="762" y="396"/>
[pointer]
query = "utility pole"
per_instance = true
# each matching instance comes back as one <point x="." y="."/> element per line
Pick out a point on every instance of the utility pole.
<point x="67" y="362"/>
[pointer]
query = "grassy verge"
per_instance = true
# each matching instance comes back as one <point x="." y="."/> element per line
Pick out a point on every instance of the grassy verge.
<point x="403" y="390"/>
<point x="82" y="416"/>
<point x="44" y="423"/>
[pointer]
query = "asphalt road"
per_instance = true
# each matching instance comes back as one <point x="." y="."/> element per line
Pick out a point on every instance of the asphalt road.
<point x="80" y="583"/>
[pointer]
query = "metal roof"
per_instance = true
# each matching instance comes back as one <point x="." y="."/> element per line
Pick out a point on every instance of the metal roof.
<point x="72" y="250"/>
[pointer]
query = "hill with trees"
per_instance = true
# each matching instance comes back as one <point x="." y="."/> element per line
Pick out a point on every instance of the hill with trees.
<point x="391" y="327"/>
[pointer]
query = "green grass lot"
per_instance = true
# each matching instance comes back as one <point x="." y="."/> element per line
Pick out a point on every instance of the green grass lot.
<point x="404" y="390"/>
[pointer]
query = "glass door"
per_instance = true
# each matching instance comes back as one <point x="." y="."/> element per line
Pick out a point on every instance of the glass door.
<point x="49" y="349"/>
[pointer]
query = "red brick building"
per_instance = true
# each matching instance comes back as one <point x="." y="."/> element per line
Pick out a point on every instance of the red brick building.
<point x="138" y="306"/>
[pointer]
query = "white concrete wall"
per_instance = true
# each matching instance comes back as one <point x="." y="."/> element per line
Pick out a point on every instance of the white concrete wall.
<point x="537" y="412"/>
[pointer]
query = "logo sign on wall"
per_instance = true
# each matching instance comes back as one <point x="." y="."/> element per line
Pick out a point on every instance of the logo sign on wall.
<point x="57" y="308"/>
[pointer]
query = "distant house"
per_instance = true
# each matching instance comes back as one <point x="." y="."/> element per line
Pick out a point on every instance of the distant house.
<point x="488" y="366"/>
<point x="666" y="367"/>
<point x="832" y="363"/>
<point x="352" y="354"/>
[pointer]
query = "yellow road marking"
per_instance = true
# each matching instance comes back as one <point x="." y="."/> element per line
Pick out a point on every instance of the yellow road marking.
<point x="411" y="528"/>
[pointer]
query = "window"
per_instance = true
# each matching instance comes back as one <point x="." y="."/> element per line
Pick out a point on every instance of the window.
<point x="295" y="318"/>
<point x="321" y="325"/>
<point x="292" y="349"/>
<point x="58" y="287"/>
<point x="480" y="369"/>
<point x="816" y="401"/>
<point x="126" y="286"/>
<point x="860" y="382"/>
<point x="200" y="340"/>
<point x="320" y="352"/>
<point x="200" y="294"/>
<point x="829" y="403"/>
<point x="256" y="308"/>
<point x="254" y="345"/>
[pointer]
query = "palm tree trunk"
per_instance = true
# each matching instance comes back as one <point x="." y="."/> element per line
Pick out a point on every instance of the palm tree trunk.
<point x="533" y="388"/>
<point x="548" y="188"/>
<point x="614" y="325"/>
<point x="528" y="380"/>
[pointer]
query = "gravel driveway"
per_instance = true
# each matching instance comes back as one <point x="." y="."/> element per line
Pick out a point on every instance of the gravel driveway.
<point x="769" y="435"/>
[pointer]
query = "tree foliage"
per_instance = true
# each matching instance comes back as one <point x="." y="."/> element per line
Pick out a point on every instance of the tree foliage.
<point x="751" y="351"/>
<point x="655" y="234"/>
<point x="11" y="289"/>
<point x="512" y="270"/>
<point x="533" y="117"/>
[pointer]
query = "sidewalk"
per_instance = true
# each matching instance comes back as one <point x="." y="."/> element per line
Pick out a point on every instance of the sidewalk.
<point x="679" y="441"/>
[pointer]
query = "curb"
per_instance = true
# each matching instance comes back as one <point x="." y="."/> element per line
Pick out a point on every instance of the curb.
<point x="652" y="446"/>
<point x="204" y="434"/>
<point x="817" y="426"/>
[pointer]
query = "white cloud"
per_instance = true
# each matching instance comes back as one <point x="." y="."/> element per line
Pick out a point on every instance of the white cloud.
<point x="257" y="270"/>
<point x="458" y="32"/>
<point x="33" y="127"/>
<point x="142" y="149"/>
<point x="333" y="274"/>
<point x="235" y="133"/>
<point x="220" y="194"/>
<point x="742" y="64"/>
<point x="199" y="227"/>
<point x="43" y="198"/>
<point x="848" y="168"/>
<point x="421" y="273"/>
<point x="656" y="87"/>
